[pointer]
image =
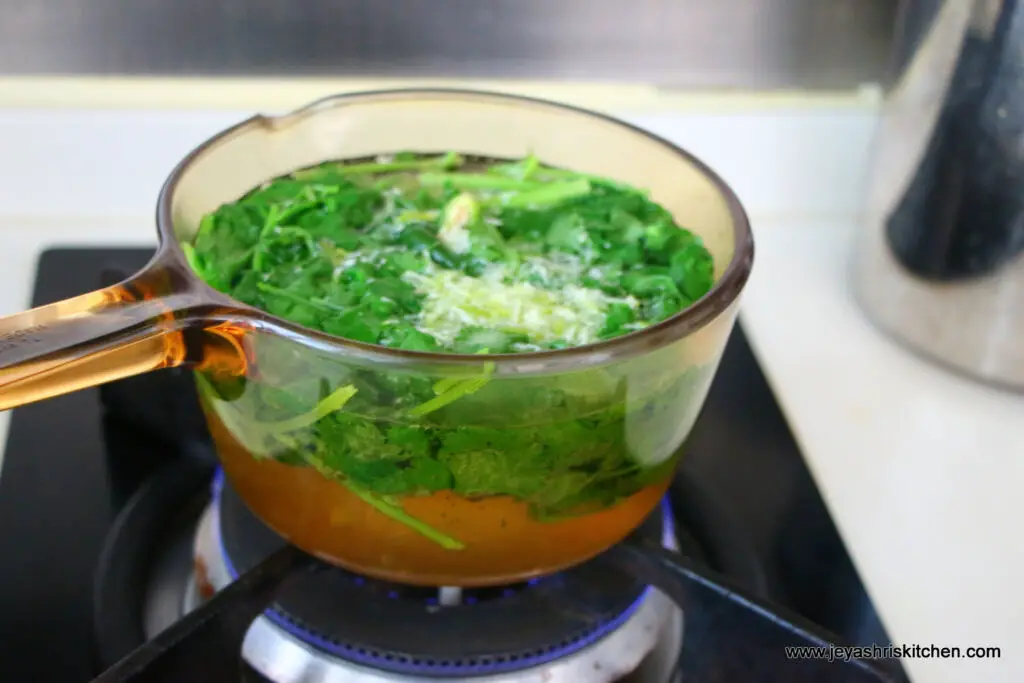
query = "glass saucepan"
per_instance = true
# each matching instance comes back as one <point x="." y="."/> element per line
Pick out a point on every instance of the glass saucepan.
<point x="552" y="458"/>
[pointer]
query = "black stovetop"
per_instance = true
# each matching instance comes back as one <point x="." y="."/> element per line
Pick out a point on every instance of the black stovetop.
<point x="70" y="467"/>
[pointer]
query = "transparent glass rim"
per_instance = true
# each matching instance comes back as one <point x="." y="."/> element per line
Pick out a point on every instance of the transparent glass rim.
<point x="700" y="313"/>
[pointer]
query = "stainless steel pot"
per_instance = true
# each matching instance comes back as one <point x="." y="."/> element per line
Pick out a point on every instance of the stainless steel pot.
<point x="940" y="264"/>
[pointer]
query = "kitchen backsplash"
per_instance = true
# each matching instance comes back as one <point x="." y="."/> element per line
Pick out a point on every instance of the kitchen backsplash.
<point x="79" y="156"/>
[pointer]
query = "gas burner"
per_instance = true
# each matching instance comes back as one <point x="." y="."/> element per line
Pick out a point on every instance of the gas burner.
<point x="165" y="556"/>
<point x="332" y="626"/>
<point x="268" y="624"/>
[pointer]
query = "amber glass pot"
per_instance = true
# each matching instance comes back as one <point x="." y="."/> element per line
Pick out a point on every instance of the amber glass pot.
<point x="643" y="390"/>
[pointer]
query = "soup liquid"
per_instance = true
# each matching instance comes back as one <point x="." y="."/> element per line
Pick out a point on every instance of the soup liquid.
<point x="503" y="544"/>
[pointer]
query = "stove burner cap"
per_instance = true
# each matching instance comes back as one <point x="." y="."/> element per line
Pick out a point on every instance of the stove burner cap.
<point x="404" y="630"/>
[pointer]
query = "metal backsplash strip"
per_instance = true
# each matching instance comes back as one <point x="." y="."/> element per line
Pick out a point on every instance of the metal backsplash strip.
<point x="763" y="44"/>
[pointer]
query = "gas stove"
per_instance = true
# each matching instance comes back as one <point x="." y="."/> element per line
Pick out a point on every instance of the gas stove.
<point x="117" y="529"/>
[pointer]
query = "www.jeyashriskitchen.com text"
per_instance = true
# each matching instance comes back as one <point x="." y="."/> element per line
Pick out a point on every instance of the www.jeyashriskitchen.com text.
<point x="837" y="653"/>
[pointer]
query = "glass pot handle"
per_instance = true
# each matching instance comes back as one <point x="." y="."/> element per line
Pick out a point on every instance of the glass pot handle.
<point x="730" y="636"/>
<point x="133" y="327"/>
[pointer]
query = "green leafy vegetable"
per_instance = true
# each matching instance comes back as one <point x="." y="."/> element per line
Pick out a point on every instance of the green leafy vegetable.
<point x="445" y="254"/>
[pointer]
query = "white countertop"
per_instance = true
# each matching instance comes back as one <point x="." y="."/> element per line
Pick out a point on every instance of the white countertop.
<point x="922" y="471"/>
